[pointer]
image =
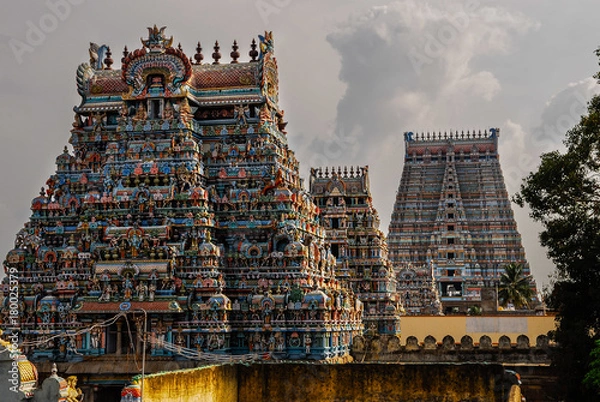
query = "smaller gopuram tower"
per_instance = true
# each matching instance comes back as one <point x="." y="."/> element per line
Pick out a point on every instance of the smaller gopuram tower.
<point x="352" y="226"/>
<point x="418" y="290"/>
<point x="453" y="216"/>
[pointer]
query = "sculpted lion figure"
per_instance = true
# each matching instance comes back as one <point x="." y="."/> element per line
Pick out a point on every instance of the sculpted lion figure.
<point x="74" y="394"/>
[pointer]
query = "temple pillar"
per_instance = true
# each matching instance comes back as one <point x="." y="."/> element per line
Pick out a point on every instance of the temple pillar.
<point x="87" y="342"/>
<point x="119" y="338"/>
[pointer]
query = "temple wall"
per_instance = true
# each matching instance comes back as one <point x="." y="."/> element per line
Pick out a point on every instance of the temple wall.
<point x="207" y="384"/>
<point x="361" y="383"/>
<point x="321" y="382"/>
<point x="476" y="326"/>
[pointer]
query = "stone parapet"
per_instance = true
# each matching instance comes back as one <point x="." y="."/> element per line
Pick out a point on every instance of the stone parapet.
<point x="388" y="348"/>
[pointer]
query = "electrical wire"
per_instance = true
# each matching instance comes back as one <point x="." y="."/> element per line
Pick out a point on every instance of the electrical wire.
<point x="103" y="324"/>
<point x="213" y="357"/>
<point x="191" y="354"/>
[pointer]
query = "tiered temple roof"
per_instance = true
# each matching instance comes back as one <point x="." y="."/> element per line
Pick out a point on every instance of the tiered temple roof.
<point x="182" y="200"/>
<point x="352" y="225"/>
<point x="452" y="213"/>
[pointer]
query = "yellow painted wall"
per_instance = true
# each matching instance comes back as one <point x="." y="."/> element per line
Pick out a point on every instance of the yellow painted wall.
<point x="476" y="326"/>
<point x="206" y="384"/>
<point x="367" y="382"/>
<point x="326" y="383"/>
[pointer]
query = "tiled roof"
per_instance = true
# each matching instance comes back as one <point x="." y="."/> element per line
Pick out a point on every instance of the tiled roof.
<point x="146" y="267"/>
<point x="159" y="306"/>
<point x="219" y="76"/>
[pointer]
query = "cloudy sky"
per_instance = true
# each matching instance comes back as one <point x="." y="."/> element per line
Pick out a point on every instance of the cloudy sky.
<point x="354" y="75"/>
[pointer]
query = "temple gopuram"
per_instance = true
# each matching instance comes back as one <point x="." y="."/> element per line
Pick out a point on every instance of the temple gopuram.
<point x="352" y="227"/>
<point x="452" y="222"/>
<point x="418" y="290"/>
<point x="179" y="213"/>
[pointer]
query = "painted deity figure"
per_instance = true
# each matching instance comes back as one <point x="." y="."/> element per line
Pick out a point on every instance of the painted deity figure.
<point x="272" y="342"/>
<point x="307" y="343"/>
<point x="127" y="293"/>
<point x="199" y="341"/>
<point x="280" y="343"/>
<point x="160" y="333"/>
<point x="151" y="291"/>
<point x="168" y="112"/>
<point x="95" y="338"/>
<point x="180" y="338"/>
<point x="140" y="114"/>
<point x="142" y="289"/>
<point x="128" y="283"/>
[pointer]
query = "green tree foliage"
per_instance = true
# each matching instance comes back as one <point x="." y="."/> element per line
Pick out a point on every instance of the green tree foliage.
<point x="592" y="378"/>
<point x="564" y="195"/>
<point x="515" y="287"/>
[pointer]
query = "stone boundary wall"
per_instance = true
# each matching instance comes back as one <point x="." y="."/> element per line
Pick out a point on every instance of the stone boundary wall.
<point x="389" y="348"/>
<point x="299" y="382"/>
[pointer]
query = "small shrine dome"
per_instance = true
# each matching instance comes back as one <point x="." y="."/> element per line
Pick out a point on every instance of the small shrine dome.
<point x="390" y="308"/>
<point x="406" y="274"/>
<point x="315" y="299"/>
<point x="208" y="249"/>
<point x="295" y="248"/>
<point x="219" y="301"/>
<point x="283" y="194"/>
<point x="16" y="255"/>
<point x="39" y="202"/>
<point x="45" y="253"/>
<point x="70" y="252"/>
<point x="65" y="158"/>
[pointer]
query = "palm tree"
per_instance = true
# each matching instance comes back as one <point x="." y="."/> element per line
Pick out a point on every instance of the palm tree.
<point x="515" y="287"/>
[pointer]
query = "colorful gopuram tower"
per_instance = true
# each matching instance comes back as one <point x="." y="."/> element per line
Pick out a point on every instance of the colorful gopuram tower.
<point x="179" y="210"/>
<point x="352" y="227"/>
<point x="453" y="217"/>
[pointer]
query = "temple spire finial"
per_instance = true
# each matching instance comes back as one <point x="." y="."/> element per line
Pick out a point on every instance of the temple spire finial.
<point x="216" y="54"/>
<point x="198" y="56"/>
<point x="253" y="53"/>
<point x="234" y="53"/>
<point x="125" y="54"/>
<point x="108" y="61"/>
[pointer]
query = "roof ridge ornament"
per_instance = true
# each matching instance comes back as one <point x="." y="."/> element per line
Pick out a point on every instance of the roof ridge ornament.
<point x="157" y="41"/>
<point x="97" y="55"/>
<point x="267" y="44"/>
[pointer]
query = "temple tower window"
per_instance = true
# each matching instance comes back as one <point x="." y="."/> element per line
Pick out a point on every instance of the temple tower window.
<point x="155" y="108"/>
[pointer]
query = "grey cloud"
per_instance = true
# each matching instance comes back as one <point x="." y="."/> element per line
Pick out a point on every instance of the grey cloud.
<point x="521" y="148"/>
<point x="408" y="66"/>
